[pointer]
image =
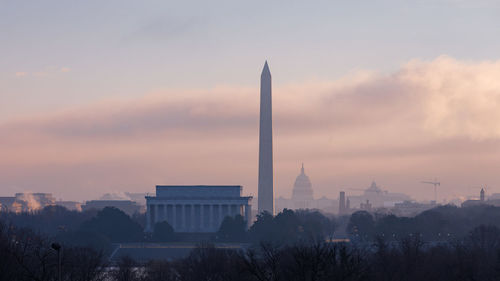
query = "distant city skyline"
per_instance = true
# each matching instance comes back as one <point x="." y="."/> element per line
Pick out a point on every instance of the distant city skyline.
<point x="168" y="93"/>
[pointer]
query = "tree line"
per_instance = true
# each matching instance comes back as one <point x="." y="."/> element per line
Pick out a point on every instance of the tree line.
<point x="442" y="223"/>
<point x="98" y="229"/>
<point x="293" y="245"/>
<point x="29" y="256"/>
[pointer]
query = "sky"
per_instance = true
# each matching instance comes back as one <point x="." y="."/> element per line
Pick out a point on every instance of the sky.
<point x="114" y="96"/>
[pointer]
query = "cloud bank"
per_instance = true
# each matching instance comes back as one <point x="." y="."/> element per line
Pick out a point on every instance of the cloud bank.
<point x="429" y="118"/>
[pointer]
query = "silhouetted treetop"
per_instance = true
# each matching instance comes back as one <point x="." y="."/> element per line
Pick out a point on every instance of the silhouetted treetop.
<point x="114" y="224"/>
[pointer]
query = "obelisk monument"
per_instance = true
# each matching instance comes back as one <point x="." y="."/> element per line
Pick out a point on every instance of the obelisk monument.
<point x="266" y="189"/>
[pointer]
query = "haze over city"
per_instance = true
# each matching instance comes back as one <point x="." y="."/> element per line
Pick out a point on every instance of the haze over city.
<point x="249" y="141"/>
<point x="99" y="97"/>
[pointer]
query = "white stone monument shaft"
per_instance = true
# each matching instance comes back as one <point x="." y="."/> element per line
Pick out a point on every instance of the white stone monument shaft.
<point x="266" y="190"/>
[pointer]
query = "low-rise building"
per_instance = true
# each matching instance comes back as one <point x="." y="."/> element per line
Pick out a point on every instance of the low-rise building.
<point x="481" y="201"/>
<point x="26" y="202"/>
<point x="410" y="208"/>
<point x="196" y="208"/>
<point x="127" y="206"/>
<point x="378" y="198"/>
<point x="70" y="205"/>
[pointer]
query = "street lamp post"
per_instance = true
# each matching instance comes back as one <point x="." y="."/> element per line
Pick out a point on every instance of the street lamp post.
<point x="57" y="247"/>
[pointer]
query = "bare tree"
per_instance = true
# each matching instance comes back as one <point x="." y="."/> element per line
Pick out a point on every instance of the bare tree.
<point x="160" y="271"/>
<point x="127" y="270"/>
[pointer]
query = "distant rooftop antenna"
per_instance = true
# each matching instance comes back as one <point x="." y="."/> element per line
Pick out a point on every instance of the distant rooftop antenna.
<point x="436" y="184"/>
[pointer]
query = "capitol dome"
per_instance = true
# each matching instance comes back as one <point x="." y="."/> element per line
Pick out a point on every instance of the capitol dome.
<point x="302" y="190"/>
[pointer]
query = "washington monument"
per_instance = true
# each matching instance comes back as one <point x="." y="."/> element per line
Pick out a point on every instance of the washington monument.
<point x="266" y="190"/>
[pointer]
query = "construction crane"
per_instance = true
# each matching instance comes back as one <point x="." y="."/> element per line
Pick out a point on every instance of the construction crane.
<point x="436" y="184"/>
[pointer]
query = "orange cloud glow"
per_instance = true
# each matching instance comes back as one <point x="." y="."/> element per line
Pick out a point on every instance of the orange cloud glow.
<point x="428" y="119"/>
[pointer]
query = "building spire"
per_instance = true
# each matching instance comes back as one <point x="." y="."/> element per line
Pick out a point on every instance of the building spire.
<point x="302" y="169"/>
<point x="265" y="70"/>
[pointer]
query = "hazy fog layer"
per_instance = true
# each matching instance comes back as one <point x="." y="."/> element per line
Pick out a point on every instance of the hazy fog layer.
<point x="436" y="118"/>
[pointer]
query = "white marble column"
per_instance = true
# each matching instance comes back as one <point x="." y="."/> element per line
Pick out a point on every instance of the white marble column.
<point x="165" y="217"/>
<point x="156" y="214"/>
<point x="148" y="218"/>
<point x="174" y="217"/>
<point x="220" y="216"/>
<point x="211" y="217"/>
<point x="202" y="218"/>
<point x="193" y="219"/>
<point x="158" y="211"/>
<point x="228" y="210"/>
<point x="247" y="214"/>
<point x="183" y="218"/>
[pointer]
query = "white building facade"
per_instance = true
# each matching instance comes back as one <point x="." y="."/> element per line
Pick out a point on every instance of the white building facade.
<point x="196" y="208"/>
<point x="302" y="197"/>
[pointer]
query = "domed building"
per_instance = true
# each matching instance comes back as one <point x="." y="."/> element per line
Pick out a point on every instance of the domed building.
<point x="302" y="195"/>
<point x="378" y="198"/>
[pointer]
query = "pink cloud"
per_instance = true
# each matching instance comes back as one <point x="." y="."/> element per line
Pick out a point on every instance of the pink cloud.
<point x="429" y="118"/>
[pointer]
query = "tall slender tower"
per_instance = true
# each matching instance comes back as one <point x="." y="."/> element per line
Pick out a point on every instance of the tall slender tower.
<point x="342" y="203"/>
<point x="266" y="190"/>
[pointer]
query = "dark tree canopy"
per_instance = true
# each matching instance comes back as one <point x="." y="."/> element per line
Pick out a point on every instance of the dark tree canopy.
<point x="232" y="229"/>
<point x="114" y="224"/>
<point x="50" y="220"/>
<point x="361" y="224"/>
<point x="439" y="224"/>
<point x="163" y="232"/>
<point x="83" y="238"/>
<point x="26" y="255"/>
<point x="291" y="226"/>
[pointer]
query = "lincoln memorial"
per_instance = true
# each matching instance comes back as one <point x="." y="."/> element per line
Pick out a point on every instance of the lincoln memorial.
<point x="195" y="208"/>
